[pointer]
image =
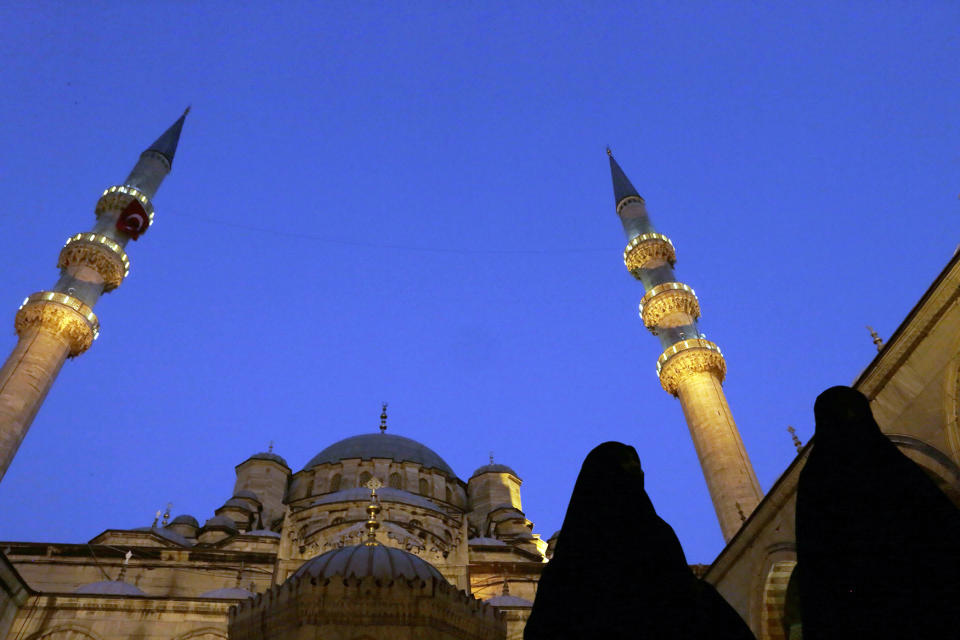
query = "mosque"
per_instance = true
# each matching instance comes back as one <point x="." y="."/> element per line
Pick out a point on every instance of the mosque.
<point x="376" y="536"/>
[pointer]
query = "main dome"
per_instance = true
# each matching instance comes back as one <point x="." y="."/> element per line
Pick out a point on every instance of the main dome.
<point x="381" y="445"/>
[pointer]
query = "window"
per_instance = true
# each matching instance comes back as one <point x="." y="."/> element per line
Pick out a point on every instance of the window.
<point x="335" y="483"/>
<point x="424" y="487"/>
<point x="395" y="482"/>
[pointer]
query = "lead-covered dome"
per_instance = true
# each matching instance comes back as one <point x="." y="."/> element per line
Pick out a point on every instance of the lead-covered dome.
<point x="361" y="561"/>
<point x="381" y="445"/>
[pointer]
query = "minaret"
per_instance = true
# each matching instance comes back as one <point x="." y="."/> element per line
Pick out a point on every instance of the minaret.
<point x="690" y="368"/>
<point x="58" y="324"/>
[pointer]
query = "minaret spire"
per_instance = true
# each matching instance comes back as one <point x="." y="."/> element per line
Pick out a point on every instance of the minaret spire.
<point x="691" y="367"/>
<point x="166" y="144"/>
<point x="59" y="323"/>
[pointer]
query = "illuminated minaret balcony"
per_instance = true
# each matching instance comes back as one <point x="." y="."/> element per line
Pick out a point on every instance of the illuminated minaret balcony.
<point x="690" y="367"/>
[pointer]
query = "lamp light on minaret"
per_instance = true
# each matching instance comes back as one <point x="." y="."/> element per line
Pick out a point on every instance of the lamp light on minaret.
<point x="690" y="367"/>
<point x="59" y="323"/>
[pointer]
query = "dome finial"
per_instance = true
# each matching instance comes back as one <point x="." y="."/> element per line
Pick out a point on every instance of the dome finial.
<point x="166" y="514"/>
<point x="270" y="447"/>
<point x="877" y="340"/>
<point x="383" y="418"/>
<point x="123" y="567"/>
<point x="491" y="457"/>
<point x="372" y="510"/>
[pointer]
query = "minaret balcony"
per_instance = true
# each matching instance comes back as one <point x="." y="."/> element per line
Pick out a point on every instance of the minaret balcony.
<point x="689" y="357"/>
<point x="118" y="197"/>
<point x="670" y="304"/>
<point x="67" y="317"/>
<point x="97" y="252"/>
<point x="647" y="251"/>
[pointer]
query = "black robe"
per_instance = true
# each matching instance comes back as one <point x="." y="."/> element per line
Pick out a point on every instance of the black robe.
<point x="618" y="570"/>
<point x="878" y="544"/>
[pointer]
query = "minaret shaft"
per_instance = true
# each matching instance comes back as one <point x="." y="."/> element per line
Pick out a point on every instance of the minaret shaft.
<point x="58" y="324"/>
<point x="25" y="379"/>
<point x="730" y="478"/>
<point x="691" y="368"/>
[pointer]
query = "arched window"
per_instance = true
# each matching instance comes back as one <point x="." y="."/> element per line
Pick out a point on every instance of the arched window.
<point x="335" y="483"/>
<point x="424" y="487"/>
<point x="774" y="623"/>
<point x="365" y="478"/>
<point x="395" y="482"/>
<point x="447" y="494"/>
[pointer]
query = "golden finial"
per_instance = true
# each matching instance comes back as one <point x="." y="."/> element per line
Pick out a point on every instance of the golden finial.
<point x="372" y="510"/>
<point x="877" y="340"/>
<point x="156" y="518"/>
<point x="796" y="440"/>
<point x="383" y="418"/>
<point x="491" y="457"/>
<point x="270" y="448"/>
<point x="609" y="153"/>
<point x="166" y="514"/>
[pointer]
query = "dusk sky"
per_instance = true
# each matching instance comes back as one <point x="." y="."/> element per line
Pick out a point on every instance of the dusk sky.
<point x="410" y="202"/>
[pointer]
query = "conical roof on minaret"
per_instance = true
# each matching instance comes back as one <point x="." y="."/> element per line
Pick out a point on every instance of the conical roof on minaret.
<point x="167" y="142"/>
<point x="622" y="187"/>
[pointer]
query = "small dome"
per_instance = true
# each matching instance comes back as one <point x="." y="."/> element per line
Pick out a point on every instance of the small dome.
<point x="554" y="536"/>
<point x="220" y="522"/>
<point x="262" y="532"/>
<point x="110" y="588"/>
<point x="246" y="493"/>
<point x="268" y="455"/>
<point x="494" y="468"/>
<point x="185" y="519"/>
<point x="361" y="561"/>
<point x="237" y="503"/>
<point x="235" y="593"/>
<point x="508" y="601"/>
<point x="381" y="445"/>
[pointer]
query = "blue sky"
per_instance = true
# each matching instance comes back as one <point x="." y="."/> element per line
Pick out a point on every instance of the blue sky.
<point x="411" y="202"/>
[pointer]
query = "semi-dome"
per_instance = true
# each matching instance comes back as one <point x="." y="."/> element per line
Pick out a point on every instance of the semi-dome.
<point x="381" y="445"/>
<point x="166" y="534"/>
<point x="494" y="468"/>
<point x="361" y="561"/>
<point x="386" y="494"/>
<point x="110" y="588"/>
<point x="264" y="533"/>
<point x="246" y="493"/>
<point x="235" y="593"/>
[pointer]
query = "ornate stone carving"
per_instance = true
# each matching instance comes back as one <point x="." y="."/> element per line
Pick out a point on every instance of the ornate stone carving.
<point x="98" y="257"/>
<point x="666" y="302"/>
<point x="690" y="357"/>
<point x="76" y="328"/>
<point x="648" y="247"/>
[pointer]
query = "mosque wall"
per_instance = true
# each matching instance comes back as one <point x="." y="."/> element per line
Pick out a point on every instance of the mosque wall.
<point x="156" y="572"/>
<point x="82" y="617"/>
